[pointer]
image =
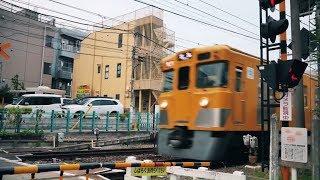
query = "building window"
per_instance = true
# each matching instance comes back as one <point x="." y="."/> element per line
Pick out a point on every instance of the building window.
<point x="47" y="68"/>
<point x="118" y="96"/>
<point x="106" y="75"/>
<point x="118" y="70"/>
<point x="120" y="40"/>
<point x="49" y="41"/>
<point x="99" y="68"/>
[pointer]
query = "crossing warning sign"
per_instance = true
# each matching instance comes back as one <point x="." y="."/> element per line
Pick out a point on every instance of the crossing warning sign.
<point x="3" y="53"/>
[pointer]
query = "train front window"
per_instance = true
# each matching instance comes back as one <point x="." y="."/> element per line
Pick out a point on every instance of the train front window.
<point x="167" y="81"/>
<point x="212" y="75"/>
<point x="183" y="78"/>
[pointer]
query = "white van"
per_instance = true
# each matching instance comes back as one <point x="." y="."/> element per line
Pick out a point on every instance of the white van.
<point x="45" y="102"/>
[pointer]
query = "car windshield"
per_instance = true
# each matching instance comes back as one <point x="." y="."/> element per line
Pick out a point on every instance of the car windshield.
<point x="15" y="102"/>
<point x="212" y="75"/>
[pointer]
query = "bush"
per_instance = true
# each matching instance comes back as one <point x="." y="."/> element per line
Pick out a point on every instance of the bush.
<point x="123" y="116"/>
<point x="14" y="116"/>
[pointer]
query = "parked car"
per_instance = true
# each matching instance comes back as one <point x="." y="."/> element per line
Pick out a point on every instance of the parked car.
<point x="100" y="105"/>
<point x="45" y="102"/>
<point x="66" y="101"/>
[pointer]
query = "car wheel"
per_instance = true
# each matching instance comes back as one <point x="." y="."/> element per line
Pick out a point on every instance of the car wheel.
<point x="113" y="114"/>
<point x="77" y="114"/>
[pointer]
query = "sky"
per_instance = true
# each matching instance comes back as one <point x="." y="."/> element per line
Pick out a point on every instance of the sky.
<point x="238" y="17"/>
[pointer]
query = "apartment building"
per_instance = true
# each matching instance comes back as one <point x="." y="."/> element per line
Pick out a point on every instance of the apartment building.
<point x="31" y="53"/>
<point x="122" y="60"/>
<point x="66" y="46"/>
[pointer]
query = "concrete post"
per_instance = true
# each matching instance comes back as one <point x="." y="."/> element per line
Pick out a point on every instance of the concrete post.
<point x="274" y="148"/>
<point x="315" y="134"/>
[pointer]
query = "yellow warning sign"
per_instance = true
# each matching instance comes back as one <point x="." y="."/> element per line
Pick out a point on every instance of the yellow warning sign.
<point x="149" y="171"/>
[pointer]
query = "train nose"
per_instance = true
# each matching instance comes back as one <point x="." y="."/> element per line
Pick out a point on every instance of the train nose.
<point x="180" y="137"/>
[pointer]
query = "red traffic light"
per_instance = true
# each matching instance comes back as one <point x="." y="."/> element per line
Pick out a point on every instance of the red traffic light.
<point x="290" y="72"/>
<point x="265" y="4"/>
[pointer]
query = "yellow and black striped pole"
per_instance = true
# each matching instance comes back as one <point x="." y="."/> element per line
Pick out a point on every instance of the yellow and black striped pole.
<point x="32" y="169"/>
<point x="284" y="57"/>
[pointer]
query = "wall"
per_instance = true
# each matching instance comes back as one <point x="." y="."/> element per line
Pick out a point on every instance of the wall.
<point x="26" y="37"/>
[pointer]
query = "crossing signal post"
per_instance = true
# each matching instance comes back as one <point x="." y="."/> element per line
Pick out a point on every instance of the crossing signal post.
<point x="283" y="75"/>
<point x="269" y="30"/>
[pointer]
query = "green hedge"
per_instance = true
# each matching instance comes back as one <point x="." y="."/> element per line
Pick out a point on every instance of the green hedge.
<point x="13" y="110"/>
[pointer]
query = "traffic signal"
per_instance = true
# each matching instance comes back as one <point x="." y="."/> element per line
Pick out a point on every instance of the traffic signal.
<point x="265" y="4"/>
<point x="272" y="27"/>
<point x="290" y="72"/>
<point x="308" y="43"/>
<point x="269" y="74"/>
<point x="283" y="74"/>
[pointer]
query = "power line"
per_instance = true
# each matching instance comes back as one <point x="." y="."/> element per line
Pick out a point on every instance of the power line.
<point x="195" y="12"/>
<point x="229" y="13"/>
<point x="93" y="25"/>
<point x="115" y="57"/>
<point x="225" y="21"/>
<point x="218" y="27"/>
<point x="90" y="12"/>
<point x="112" y="28"/>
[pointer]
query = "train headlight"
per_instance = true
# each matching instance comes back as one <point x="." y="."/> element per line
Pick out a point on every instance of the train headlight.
<point x="164" y="104"/>
<point x="204" y="102"/>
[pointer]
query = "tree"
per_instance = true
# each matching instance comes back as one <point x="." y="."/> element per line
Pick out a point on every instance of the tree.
<point x="16" y="85"/>
<point x="6" y="94"/>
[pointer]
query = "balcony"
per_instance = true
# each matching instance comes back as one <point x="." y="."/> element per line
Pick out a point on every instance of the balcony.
<point x="68" y="50"/>
<point x="146" y="84"/>
<point x="65" y="73"/>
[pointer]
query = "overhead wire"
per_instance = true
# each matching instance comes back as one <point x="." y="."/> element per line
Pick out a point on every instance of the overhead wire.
<point x="90" y="12"/>
<point x="115" y="57"/>
<point x="235" y="16"/>
<point x="101" y="32"/>
<point x="225" y="21"/>
<point x="202" y="22"/>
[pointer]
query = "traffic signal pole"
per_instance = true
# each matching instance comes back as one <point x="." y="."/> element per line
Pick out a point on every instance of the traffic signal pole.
<point x="283" y="57"/>
<point x="298" y="96"/>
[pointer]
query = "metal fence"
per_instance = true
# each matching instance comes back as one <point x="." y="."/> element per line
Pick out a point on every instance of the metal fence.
<point x="57" y="122"/>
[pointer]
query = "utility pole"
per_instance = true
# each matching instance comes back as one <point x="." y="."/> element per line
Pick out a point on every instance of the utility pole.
<point x="315" y="125"/>
<point x="298" y="97"/>
<point x="132" y="105"/>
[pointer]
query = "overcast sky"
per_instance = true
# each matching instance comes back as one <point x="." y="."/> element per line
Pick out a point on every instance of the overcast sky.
<point x="239" y="17"/>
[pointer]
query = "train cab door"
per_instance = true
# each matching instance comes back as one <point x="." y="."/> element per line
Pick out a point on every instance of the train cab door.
<point x="183" y="106"/>
<point x="238" y="95"/>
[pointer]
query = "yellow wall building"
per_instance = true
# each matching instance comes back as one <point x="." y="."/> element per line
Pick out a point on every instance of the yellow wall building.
<point x="106" y="59"/>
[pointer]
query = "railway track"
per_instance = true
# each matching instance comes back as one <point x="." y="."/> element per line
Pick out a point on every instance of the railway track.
<point x="86" y="153"/>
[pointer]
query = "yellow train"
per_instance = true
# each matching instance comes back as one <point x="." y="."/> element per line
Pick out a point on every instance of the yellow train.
<point x="210" y="99"/>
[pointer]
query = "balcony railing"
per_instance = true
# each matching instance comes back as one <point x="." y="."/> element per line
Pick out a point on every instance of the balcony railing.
<point x="153" y="84"/>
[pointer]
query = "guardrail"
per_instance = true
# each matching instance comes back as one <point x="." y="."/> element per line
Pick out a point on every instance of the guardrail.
<point x="33" y="169"/>
<point x="57" y="121"/>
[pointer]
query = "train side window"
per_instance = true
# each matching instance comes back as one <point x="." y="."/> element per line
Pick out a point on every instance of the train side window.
<point x="183" y="78"/>
<point x="238" y="78"/>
